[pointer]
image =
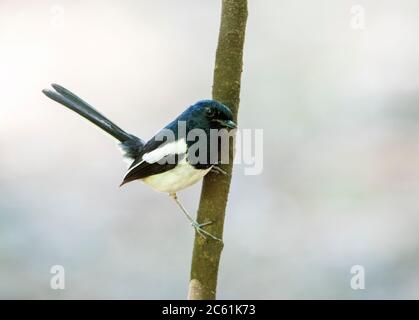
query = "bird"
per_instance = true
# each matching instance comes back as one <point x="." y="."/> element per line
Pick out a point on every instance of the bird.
<point x="164" y="164"/>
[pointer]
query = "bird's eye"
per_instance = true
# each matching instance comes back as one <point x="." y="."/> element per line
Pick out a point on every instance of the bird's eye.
<point x="210" y="112"/>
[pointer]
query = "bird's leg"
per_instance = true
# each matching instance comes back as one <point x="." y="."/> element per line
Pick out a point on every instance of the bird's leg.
<point x="198" y="226"/>
<point x="218" y="170"/>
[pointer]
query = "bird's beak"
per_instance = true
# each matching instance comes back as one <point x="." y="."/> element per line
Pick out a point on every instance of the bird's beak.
<point x="228" y="124"/>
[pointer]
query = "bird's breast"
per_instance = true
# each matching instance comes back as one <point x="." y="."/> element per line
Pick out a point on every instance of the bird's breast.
<point x="178" y="178"/>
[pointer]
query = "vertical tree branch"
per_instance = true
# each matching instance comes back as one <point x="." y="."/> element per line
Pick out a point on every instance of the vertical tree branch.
<point x="215" y="188"/>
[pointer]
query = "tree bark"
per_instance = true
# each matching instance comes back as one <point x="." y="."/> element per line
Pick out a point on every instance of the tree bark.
<point x="215" y="188"/>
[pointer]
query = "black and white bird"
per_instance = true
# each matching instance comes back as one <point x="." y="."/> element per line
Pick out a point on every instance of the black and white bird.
<point x="164" y="164"/>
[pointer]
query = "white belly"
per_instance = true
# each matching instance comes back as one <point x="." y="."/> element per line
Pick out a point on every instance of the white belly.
<point x="181" y="177"/>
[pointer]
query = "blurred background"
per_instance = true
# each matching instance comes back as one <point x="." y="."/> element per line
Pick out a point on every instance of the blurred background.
<point x="339" y="110"/>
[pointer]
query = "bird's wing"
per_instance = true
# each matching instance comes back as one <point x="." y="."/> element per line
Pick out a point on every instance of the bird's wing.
<point x="157" y="157"/>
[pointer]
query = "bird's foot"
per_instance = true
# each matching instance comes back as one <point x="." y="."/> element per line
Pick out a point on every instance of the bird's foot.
<point x="218" y="170"/>
<point x="199" y="229"/>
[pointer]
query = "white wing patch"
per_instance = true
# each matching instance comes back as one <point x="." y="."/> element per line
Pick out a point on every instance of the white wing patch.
<point x="175" y="147"/>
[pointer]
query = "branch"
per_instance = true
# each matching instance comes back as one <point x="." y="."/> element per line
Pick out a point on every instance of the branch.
<point x="215" y="188"/>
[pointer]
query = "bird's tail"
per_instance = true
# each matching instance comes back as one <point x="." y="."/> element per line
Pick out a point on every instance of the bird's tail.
<point x="130" y="144"/>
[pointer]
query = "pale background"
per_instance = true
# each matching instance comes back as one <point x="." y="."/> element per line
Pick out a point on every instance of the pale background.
<point x="340" y="112"/>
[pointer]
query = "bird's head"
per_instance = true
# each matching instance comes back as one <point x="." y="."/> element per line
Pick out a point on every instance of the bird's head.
<point x="209" y="114"/>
